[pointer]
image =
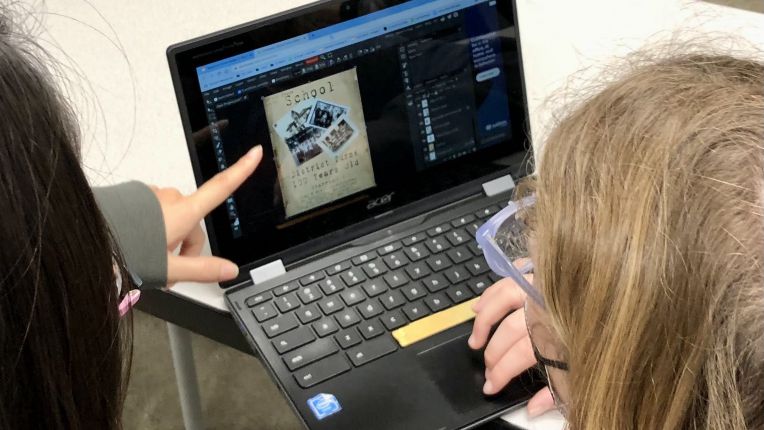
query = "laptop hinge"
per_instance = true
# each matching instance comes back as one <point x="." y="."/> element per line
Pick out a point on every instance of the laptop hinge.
<point x="267" y="272"/>
<point x="498" y="185"/>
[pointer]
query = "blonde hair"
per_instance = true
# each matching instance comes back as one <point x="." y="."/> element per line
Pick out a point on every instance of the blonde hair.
<point x="650" y="231"/>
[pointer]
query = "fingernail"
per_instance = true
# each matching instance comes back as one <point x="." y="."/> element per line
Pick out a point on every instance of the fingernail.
<point x="471" y="341"/>
<point x="254" y="152"/>
<point x="228" y="271"/>
<point x="488" y="387"/>
<point x="534" y="410"/>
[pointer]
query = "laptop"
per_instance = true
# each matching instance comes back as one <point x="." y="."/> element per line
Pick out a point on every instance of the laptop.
<point x="391" y="130"/>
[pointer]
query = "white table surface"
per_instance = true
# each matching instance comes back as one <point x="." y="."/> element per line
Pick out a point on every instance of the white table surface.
<point x="113" y="63"/>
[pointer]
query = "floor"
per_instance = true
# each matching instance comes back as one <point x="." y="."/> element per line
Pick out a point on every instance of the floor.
<point x="237" y="393"/>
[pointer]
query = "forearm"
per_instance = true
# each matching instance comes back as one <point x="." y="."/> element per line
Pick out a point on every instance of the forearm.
<point x="135" y="218"/>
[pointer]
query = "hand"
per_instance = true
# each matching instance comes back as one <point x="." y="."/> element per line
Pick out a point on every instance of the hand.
<point x="509" y="351"/>
<point x="182" y="218"/>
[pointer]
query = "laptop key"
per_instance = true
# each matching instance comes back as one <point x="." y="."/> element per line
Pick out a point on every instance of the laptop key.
<point x="370" y="308"/>
<point x="472" y="228"/>
<point x="414" y="238"/>
<point x="374" y="288"/>
<point x="330" y="285"/>
<point x="396" y="278"/>
<point x="416" y="252"/>
<point x="287" y="303"/>
<point x="487" y="212"/>
<point x="438" y="230"/>
<point x="436" y="244"/>
<point x="352" y="296"/>
<point x="435" y="283"/>
<point x="437" y="302"/>
<point x="279" y="325"/>
<point x="457" y="237"/>
<point x="264" y="312"/>
<point x="370" y="329"/>
<point x="478" y="285"/>
<point x="347" y="317"/>
<point x="390" y="247"/>
<point x="309" y="294"/>
<point x="293" y="339"/>
<point x="372" y="350"/>
<point x="374" y="268"/>
<point x="393" y="319"/>
<point x="438" y="262"/>
<point x="283" y="289"/>
<point x="459" y="254"/>
<point x="348" y="338"/>
<point x="322" y="370"/>
<point x="414" y="291"/>
<point x="475" y="248"/>
<point x="396" y="260"/>
<point x="325" y="327"/>
<point x="392" y="300"/>
<point x="415" y="310"/>
<point x="477" y="266"/>
<point x="257" y="299"/>
<point x="459" y="293"/>
<point x="337" y="268"/>
<point x="309" y="353"/>
<point x="463" y="220"/>
<point x="308" y="314"/>
<point x="363" y="258"/>
<point x="418" y="270"/>
<point x="456" y="274"/>
<point x="331" y="305"/>
<point x="313" y="277"/>
<point x="353" y="277"/>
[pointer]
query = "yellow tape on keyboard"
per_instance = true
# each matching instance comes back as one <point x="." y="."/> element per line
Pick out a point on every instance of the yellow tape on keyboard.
<point x="434" y="324"/>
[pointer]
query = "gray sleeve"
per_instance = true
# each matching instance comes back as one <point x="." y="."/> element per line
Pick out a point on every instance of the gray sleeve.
<point x="135" y="217"/>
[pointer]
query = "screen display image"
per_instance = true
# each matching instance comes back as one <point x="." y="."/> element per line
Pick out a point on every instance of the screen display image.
<point x="321" y="152"/>
<point x="363" y="109"/>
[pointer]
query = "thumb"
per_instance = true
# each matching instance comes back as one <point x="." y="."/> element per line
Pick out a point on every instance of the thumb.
<point x="199" y="269"/>
<point x="541" y="402"/>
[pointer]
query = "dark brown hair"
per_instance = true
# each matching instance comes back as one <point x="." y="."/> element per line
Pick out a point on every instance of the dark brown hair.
<point x="62" y="345"/>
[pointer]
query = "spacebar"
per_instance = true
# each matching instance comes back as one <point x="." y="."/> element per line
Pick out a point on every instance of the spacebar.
<point x="434" y="324"/>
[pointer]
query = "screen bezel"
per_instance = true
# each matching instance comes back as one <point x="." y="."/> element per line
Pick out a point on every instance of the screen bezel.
<point x="230" y="42"/>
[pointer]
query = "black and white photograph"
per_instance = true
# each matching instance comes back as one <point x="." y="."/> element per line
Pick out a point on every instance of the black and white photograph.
<point x="336" y="138"/>
<point x="304" y="144"/>
<point x="295" y="120"/>
<point x="325" y="114"/>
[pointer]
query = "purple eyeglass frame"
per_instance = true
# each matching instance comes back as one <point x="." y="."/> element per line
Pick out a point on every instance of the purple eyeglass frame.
<point x="496" y="258"/>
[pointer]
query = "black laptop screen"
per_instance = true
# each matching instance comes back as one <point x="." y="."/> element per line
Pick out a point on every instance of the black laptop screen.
<point x="361" y="108"/>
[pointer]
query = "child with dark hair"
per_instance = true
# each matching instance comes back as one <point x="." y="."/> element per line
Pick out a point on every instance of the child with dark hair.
<point x="68" y="256"/>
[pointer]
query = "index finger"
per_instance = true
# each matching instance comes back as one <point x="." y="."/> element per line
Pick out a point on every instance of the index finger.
<point x="214" y="192"/>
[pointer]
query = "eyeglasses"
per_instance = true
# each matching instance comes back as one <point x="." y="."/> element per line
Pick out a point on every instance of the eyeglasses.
<point x="547" y="365"/>
<point x="504" y="244"/>
<point x="503" y="241"/>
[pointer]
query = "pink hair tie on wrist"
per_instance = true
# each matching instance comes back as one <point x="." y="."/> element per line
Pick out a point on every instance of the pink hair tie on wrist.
<point x="130" y="299"/>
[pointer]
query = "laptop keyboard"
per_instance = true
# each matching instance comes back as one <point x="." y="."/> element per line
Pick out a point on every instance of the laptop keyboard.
<point x="349" y="309"/>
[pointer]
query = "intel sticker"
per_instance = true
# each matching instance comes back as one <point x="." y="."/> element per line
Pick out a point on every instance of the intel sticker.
<point x="324" y="405"/>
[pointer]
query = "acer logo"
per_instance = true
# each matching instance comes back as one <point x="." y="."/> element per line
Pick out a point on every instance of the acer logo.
<point x="380" y="201"/>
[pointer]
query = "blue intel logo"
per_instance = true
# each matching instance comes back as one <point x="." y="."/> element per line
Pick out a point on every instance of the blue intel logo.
<point x="324" y="405"/>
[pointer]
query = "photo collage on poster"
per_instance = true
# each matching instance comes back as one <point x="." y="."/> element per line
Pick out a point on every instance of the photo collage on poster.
<point x="319" y="141"/>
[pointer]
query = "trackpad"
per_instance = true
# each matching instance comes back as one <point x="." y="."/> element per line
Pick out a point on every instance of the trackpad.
<point x="457" y="371"/>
